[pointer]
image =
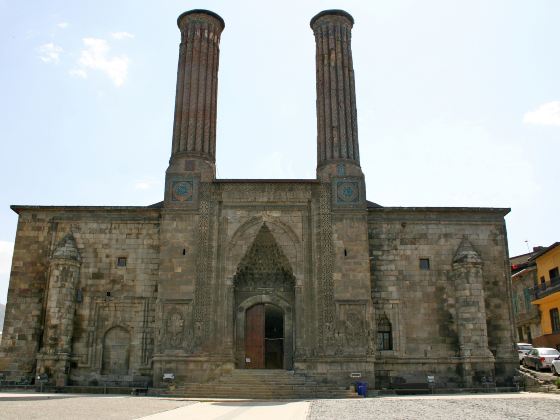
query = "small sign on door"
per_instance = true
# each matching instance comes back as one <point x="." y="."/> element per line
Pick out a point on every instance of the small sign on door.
<point x="247" y="360"/>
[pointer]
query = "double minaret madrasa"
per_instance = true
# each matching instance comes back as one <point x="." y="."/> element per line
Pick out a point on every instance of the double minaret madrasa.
<point x="301" y="275"/>
<point x="194" y="132"/>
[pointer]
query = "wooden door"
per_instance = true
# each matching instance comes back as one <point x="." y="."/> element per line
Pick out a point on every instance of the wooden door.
<point x="254" y="337"/>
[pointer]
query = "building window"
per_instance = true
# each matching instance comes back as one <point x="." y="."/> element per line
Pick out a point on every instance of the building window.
<point x="121" y="262"/>
<point x="515" y="304"/>
<point x="543" y="283"/>
<point x="528" y="298"/>
<point x="553" y="274"/>
<point x="384" y="334"/>
<point x="424" y="263"/>
<point x="520" y="333"/>
<point x="555" y="320"/>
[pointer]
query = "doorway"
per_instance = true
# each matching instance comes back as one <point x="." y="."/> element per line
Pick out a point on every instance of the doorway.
<point x="264" y="337"/>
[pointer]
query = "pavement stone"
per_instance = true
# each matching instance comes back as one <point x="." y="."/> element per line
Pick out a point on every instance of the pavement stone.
<point x="534" y="406"/>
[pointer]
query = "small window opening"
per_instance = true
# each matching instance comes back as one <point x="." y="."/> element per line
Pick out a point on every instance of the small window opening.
<point x="384" y="334"/>
<point x="555" y="320"/>
<point x="121" y="262"/>
<point x="108" y="294"/>
<point x="345" y="252"/>
<point x="424" y="263"/>
<point x="184" y="251"/>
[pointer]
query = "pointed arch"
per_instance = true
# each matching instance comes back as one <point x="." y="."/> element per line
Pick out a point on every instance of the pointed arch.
<point x="264" y="265"/>
<point x="241" y="240"/>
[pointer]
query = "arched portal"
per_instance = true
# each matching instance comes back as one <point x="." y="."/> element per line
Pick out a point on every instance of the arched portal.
<point x="264" y="298"/>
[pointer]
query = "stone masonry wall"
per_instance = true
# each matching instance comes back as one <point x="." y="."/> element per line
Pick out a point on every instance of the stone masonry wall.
<point x="24" y="309"/>
<point x="421" y="304"/>
<point x="107" y="296"/>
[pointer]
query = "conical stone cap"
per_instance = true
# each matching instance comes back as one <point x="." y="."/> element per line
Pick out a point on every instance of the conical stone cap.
<point x="67" y="249"/>
<point x="466" y="253"/>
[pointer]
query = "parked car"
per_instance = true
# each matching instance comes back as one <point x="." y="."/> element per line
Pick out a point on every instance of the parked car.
<point x="540" y="358"/>
<point x="555" y="368"/>
<point x="523" y="349"/>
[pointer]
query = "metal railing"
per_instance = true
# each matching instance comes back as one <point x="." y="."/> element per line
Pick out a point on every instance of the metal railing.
<point x="545" y="289"/>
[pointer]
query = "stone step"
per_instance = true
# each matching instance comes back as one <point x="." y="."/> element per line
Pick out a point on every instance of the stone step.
<point x="234" y="381"/>
<point x="266" y="395"/>
<point x="264" y="384"/>
<point x="267" y="389"/>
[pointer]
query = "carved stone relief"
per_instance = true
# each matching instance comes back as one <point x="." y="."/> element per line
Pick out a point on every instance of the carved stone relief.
<point x="352" y="326"/>
<point x="178" y="331"/>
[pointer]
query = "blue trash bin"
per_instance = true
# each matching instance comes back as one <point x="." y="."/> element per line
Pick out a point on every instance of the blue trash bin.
<point x="361" y="387"/>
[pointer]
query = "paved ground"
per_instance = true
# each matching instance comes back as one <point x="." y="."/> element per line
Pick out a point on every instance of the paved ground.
<point x="524" y="406"/>
<point x="73" y="407"/>
<point x="473" y="407"/>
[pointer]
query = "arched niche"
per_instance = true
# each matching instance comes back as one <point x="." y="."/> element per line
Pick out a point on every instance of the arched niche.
<point x="116" y="351"/>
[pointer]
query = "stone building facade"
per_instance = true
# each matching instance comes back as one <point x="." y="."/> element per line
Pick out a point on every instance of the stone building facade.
<point x="301" y="274"/>
<point x="524" y="282"/>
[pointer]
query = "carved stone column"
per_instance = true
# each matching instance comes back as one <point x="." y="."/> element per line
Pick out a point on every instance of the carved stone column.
<point x="63" y="275"/>
<point x="471" y="314"/>
<point x="337" y="125"/>
<point x="194" y="129"/>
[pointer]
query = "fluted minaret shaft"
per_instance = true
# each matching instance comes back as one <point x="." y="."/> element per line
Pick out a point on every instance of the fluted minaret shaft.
<point x="194" y="130"/>
<point x="337" y="128"/>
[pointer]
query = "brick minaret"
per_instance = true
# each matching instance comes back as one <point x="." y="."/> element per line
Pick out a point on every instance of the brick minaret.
<point x="194" y="129"/>
<point x="337" y="128"/>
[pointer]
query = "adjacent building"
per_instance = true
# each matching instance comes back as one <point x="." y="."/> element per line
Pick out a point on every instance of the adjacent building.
<point x="523" y="283"/>
<point x="225" y="274"/>
<point x="547" y="295"/>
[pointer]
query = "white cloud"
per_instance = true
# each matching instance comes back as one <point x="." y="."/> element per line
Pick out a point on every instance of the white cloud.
<point x="95" y="57"/>
<point x="145" y="184"/>
<point x="122" y="35"/>
<point x="78" y="73"/>
<point x="546" y="114"/>
<point x="50" y="53"/>
<point x="62" y="25"/>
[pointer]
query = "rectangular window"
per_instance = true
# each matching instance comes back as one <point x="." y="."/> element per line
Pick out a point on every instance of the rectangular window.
<point x="384" y="341"/>
<point x="543" y="283"/>
<point x="555" y="320"/>
<point x="424" y="263"/>
<point x="528" y="298"/>
<point x="515" y="304"/>
<point x="520" y="333"/>
<point x="553" y="274"/>
<point x="121" y="262"/>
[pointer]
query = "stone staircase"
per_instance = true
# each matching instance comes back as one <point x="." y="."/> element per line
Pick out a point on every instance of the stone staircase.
<point x="264" y="384"/>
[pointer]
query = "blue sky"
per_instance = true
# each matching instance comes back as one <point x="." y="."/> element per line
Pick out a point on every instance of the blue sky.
<point x="458" y="103"/>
